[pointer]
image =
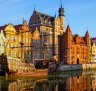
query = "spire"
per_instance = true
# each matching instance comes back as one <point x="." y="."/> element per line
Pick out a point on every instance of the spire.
<point x="23" y="19"/>
<point x="55" y="14"/>
<point x="24" y="22"/>
<point x="61" y="3"/>
<point x="68" y="29"/>
<point x="87" y="33"/>
<point x="34" y="7"/>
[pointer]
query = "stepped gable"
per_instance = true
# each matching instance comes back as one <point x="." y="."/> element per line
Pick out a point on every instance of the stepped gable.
<point x="78" y="39"/>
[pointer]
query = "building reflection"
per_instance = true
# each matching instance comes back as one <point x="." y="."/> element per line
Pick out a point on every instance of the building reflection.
<point x="78" y="83"/>
<point x="75" y="83"/>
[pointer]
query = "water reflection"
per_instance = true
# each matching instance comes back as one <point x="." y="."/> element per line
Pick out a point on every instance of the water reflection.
<point x="70" y="81"/>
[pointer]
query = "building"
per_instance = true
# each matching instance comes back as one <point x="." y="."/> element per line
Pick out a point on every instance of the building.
<point x="37" y="54"/>
<point x="24" y="41"/>
<point x="49" y="28"/>
<point x="2" y="42"/>
<point x="11" y="40"/>
<point x="18" y="42"/>
<point x="74" y="49"/>
<point x="82" y="83"/>
<point x="93" y="50"/>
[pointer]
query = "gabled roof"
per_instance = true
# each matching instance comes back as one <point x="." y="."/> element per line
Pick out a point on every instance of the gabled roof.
<point x="44" y="18"/>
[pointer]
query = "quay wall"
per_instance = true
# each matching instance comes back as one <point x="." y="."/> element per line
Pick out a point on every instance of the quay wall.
<point x="76" y="67"/>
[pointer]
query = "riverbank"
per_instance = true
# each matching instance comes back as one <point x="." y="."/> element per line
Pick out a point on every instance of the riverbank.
<point x="73" y="67"/>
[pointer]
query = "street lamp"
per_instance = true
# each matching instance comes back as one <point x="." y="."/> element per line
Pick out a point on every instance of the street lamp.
<point x="21" y="43"/>
<point x="45" y="45"/>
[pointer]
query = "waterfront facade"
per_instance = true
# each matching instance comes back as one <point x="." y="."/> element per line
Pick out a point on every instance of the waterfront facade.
<point x="93" y="50"/>
<point x="74" y="49"/>
<point x="49" y="28"/>
<point x="45" y="37"/>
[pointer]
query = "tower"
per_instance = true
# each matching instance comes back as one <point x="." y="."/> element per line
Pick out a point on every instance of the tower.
<point x="68" y="44"/>
<point x="61" y="16"/>
<point x="87" y="41"/>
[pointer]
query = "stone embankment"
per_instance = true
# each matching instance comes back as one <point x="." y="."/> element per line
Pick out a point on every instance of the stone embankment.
<point x="76" y="67"/>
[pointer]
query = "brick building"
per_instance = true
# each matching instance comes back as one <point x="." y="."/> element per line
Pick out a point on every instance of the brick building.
<point x="74" y="49"/>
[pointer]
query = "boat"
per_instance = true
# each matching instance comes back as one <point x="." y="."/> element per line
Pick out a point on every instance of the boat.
<point x="14" y="66"/>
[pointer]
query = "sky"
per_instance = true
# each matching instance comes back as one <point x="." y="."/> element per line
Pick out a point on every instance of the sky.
<point x="79" y="14"/>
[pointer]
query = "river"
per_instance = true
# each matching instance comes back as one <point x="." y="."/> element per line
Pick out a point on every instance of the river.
<point x="61" y="81"/>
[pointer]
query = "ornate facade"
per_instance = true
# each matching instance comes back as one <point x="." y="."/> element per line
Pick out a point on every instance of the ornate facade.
<point x="49" y="28"/>
<point x="18" y="42"/>
<point x="11" y="40"/>
<point x="74" y="49"/>
<point x="24" y="41"/>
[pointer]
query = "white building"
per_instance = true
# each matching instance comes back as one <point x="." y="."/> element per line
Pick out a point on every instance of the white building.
<point x="2" y="42"/>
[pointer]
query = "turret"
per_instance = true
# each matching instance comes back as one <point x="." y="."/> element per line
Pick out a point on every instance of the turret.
<point x="61" y="16"/>
<point x="24" y="22"/>
<point x="61" y="11"/>
<point x="68" y="36"/>
<point x="87" y="39"/>
<point x="69" y="44"/>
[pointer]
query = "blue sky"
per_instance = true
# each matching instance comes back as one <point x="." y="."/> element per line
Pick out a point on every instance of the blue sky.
<point x="79" y="14"/>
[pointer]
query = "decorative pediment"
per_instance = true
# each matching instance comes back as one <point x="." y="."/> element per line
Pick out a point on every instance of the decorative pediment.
<point x="10" y="29"/>
<point x="36" y="34"/>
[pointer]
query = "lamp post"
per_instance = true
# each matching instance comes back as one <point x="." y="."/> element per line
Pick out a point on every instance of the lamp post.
<point x="45" y="45"/>
<point x="21" y="43"/>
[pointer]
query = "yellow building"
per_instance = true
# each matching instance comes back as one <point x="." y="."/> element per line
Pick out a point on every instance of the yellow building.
<point x="24" y="41"/>
<point x="11" y="41"/>
<point x="93" y="51"/>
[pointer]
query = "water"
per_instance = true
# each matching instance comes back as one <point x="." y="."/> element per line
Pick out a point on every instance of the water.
<point x="65" y="81"/>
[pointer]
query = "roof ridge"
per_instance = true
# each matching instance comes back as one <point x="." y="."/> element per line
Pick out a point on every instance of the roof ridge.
<point x="43" y="14"/>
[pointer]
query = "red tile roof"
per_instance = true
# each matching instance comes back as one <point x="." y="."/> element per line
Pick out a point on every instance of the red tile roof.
<point x="93" y="38"/>
<point x="17" y="27"/>
<point x="2" y="27"/>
